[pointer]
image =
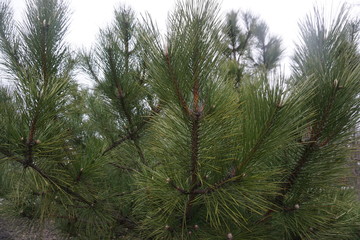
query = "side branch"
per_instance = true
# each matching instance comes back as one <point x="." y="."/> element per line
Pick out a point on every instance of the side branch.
<point x="208" y="190"/>
<point x="181" y="190"/>
<point x="47" y="177"/>
<point x="10" y="155"/>
<point x="229" y="179"/>
<point x="311" y="146"/>
<point x="128" y="116"/>
<point x="295" y="173"/>
<point x="116" y="143"/>
<point x="182" y="101"/>
<point x="265" y="132"/>
<point x="63" y="188"/>
<point x="133" y="134"/>
<point x="89" y="68"/>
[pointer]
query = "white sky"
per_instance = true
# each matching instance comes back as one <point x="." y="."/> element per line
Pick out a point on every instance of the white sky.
<point x="282" y="16"/>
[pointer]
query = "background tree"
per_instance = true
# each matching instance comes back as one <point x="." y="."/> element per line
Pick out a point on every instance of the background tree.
<point x="251" y="48"/>
<point x="268" y="49"/>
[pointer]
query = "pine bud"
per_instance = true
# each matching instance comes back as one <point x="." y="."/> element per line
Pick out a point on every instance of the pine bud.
<point x="167" y="227"/>
<point x="168" y="180"/>
<point x="229" y="236"/>
<point x="44" y="22"/>
<point x="37" y="141"/>
<point x="297" y="206"/>
<point x="190" y="232"/>
<point x="196" y="227"/>
<point x="336" y="83"/>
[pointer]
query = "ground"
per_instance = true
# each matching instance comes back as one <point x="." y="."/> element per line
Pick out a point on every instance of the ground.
<point x="21" y="229"/>
<point x="4" y="234"/>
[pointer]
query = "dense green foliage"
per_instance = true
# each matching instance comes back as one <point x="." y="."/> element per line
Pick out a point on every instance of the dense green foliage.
<point x="187" y="135"/>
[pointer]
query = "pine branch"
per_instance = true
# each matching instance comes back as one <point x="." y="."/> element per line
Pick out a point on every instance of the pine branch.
<point x="229" y="179"/>
<point x="78" y="177"/>
<point x="155" y="110"/>
<point x="261" y="139"/>
<point x="58" y="185"/>
<point x="290" y="181"/>
<point x="44" y="61"/>
<point x="139" y="150"/>
<point x="242" y="47"/>
<point x="89" y="67"/>
<point x="287" y="185"/>
<point x="175" y="83"/>
<point x="32" y="128"/>
<point x="9" y="154"/>
<point x="116" y="143"/>
<point x="126" y="50"/>
<point x="195" y="127"/>
<point x="30" y="141"/>
<point x="309" y="149"/>
<point x="181" y="190"/>
<point x="210" y="189"/>
<point x="123" y="167"/>
<point x="121" y="97"/>
<point x="45" y="176"/>
<point x="311" y="146"/>
<point x="194" y="150"/>
<point x="131" y="133"/>
<point x="194" y="161"/>
<point x="7" y="37"/>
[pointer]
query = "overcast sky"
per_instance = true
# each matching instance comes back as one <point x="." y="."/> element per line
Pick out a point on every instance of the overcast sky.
<point x="282" y="16"/>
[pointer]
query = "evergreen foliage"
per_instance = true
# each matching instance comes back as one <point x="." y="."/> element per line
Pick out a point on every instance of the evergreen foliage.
<point x="165" y="146"/>
<point x="251" y="48"/>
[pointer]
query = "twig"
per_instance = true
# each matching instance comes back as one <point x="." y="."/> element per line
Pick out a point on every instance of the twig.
<point x="115" y="144"/>
<point x="123" y="167"/>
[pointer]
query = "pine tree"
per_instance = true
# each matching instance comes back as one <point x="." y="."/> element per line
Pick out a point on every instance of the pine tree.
<point x="120" y="108"/>
<point x="37" y="60"/>
<point x="164" y="146"/>
<point x="267" y="164"/>
<point x="251" y="48"/>
<point x="45" y="170"/>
